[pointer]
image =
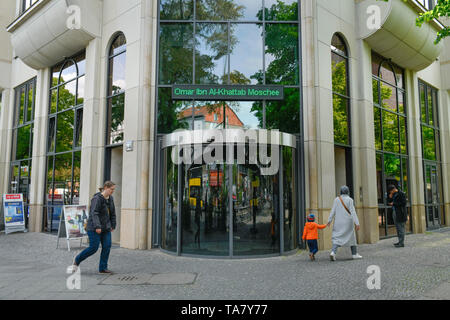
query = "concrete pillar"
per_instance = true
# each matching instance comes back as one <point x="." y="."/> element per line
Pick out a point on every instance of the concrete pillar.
<point x="416" y="185"/>
<point x="92" y="124"/>
<point x="136" y="212"/>
<point x="363" y="136"/>
<point x="39" y="159"/>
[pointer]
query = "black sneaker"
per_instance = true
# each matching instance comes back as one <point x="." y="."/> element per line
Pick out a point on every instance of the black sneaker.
<point x="398" y="245"/>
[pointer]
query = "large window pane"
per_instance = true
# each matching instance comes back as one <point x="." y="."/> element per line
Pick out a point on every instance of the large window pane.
<point x="339" y="74"/>
<point x="284" y="115"/>
<point x="211" y="62"/>
<point x="228" y="10"/>
<point x="429" y="143"/>
<point x="175" y="53"/>
<point x="282" y="54"/>
<point x="403" y="138"/>
<point x="64" y="131"/>
<point x="389" y="97"/>
<point x="170" y="204"/>
<point x="117" y="74"/>
<point x="172" y="114"/>
<point x="390" y="132"/>
<point x="246" y="56"/>
<point x="340" y="120"/>
<point x="116" y="115"/>
<point x="377" y="126"/>
<point x="63" y="176"/>
<point x="176" y="9"/>
<point x="281" y="10"/>
<point x="67" y="95"/>
<point x="24" y="145"/>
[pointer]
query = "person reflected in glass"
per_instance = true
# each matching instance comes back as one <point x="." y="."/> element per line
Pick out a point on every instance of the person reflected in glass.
<point x="101" y="222"/>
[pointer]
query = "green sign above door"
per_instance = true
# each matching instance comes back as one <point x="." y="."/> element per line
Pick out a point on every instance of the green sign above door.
<point x="227" y="92"/>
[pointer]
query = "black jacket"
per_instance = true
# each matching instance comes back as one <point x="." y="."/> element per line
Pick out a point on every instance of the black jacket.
<point x="99" y="217"/>
<point x="399" y="204"/>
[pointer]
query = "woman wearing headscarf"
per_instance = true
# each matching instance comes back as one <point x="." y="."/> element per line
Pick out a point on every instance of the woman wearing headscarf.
<point x="345" y="218"/>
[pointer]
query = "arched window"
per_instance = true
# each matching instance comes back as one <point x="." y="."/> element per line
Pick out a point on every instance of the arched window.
<point x="390" y="123"/>
<point x="116" y="91"/>
<point x="115" y="103"/>
<point x="65" y="124"/>
<point x="341" y="113"/>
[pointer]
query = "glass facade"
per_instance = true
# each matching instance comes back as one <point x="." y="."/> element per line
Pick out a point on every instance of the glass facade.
<point x="229" y="42"/>
<point x="227" y="208"/>
<point x="22" y="144"/>
<point x="429" y="122"/>
<point x="65" y="128"/>
<point x="231" y="209"/>
<point x="390" y="122"/>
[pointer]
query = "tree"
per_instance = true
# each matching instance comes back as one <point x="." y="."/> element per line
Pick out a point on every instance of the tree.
<point x="442" y="9"/>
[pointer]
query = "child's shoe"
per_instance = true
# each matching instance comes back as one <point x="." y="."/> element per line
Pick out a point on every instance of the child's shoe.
<point x="311" y="256"/>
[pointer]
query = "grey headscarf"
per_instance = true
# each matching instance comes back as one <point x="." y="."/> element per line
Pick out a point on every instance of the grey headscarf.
<point x="345" y="190"/>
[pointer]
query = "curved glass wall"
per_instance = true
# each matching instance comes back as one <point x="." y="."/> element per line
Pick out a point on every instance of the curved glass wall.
<point x="229" y="207"/>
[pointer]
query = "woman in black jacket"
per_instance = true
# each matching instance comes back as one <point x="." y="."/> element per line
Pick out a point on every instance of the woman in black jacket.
<point x="101" y="222"/>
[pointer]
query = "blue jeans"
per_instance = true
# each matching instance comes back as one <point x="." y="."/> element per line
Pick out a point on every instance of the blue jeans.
<point x="312" y="245"/>
<point x="94" y="242"/>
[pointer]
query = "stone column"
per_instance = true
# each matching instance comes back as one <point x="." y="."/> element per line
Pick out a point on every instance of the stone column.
<point x="417" y="196"/>
<point x="5" y="137"/>
<point x="92" y="124"/>
<point x="39" y="159"/>
<point x="363" y="136"/>
<point x="135" y="230"/>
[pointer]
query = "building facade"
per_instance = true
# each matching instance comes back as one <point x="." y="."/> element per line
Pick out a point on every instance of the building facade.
<point x="86" y="91"/>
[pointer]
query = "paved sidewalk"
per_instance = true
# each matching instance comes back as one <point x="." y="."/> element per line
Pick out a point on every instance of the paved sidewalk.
<point x="31" y="268"/>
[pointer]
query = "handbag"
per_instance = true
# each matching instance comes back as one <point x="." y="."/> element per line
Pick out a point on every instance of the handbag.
<point x="346" y="209"/>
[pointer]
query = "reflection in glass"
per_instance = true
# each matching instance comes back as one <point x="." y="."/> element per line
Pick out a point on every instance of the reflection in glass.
<point x="389" y="97"/>
<point x="403" y="141"/>
<point x="79" y="127"/>
<point x="21" y="104"/>
<point x="390" y="132"/>
<point x="69" y="72"/>
<point x="379" y="162"/>
<point x="117" y="74"/>
<point x="246" y="53"/>
<point x="116" y="109"/>
<point x="211" y="63"/>
<point x="118" y="46"/>
<point x="169" y="117"/>
<point x="23" y="143"/>
<point x="80" y="92"/>
<point x="64" y="131"/>
<point x="429" y="143"/>
<point x="375" y="91"/>
<point x="67" y="94"/>
<point x="289" y="199"/>
<point x="30" y="102"/>
<point x="170" y="204"/>
<point x="285" y="10"/>
<point x="282" y="115"/>
<point x="75" y="184"/>
<point x="423" y="106"/>
<point x="339" y="74"/>
<point x="255" y="212"/>
<point x="51" y="134"/>
<point x="176" y="9"/>
<point x="205" y="207"/>
<point x="392" y="169"/>
<point x="282" y="54"/>
<point x="175" y="53"/>
<point x="340" y="120"/>
<point x="53" y="102"/>
<point x="63" y="176"/>
<point x="387" y="74"/>
<point x="226" y="9"/>
<point x="377" y="125"/>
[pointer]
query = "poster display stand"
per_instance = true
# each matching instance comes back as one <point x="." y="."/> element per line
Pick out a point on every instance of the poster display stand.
<point x="13" y="213"/>
<point x="72" y="224"/>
